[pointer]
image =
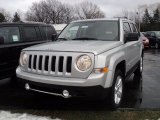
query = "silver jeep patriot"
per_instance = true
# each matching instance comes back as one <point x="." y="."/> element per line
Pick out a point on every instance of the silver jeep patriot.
<point x="90" y="58"/>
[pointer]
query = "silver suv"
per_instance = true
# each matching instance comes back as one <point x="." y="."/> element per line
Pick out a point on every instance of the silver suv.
<point x="90" y="58"/>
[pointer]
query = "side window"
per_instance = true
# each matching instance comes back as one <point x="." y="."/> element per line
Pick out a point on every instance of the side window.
<point x="10" y="34"/>
<point x="133" y="27"/>
<point x="30" y="34"/>
<point x="126" y="27"/>
<point x="137" y="28"/>
<point x="49" y="31"/>
<point x="39" y="36"/>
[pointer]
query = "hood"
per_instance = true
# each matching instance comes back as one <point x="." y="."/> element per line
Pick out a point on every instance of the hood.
<point x="95" y="47"/>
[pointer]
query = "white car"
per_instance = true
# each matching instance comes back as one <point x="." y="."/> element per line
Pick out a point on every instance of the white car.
<point x="91" y="58"/>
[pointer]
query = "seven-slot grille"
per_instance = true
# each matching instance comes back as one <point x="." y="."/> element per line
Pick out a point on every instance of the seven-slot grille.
<point x="57" y="65"/>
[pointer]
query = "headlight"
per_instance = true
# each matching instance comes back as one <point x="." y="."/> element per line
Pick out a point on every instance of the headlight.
<point x="84" y="62"/>
<point x="23" y="59"/>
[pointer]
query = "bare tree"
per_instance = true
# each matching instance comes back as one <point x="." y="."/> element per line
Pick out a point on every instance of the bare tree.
<point x="50" y="11"/>
<point x="66" y="14"/>
<point x="88" y="10"/>
<point x="37" y="13"/>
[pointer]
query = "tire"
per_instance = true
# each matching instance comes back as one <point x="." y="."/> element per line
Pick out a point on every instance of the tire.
<point x="116" y="93"/>
<point x="139" y="70"/>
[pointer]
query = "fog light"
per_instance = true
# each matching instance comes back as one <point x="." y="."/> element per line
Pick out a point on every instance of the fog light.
<point x="66" y="93"/>
<point x="27" y="86"/>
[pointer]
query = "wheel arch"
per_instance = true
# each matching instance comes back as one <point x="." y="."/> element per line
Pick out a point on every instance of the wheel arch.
<point x="121" y="66"/>
<point x="116" y="62"/>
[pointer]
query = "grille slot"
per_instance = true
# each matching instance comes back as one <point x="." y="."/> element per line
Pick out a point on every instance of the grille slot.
<point x="60" y="66"/>
<point x="34" y="61"/>
<point x="40" y="62"/>
<point x="69" y="64"/>
<point x="46" y="63"/>
<point x="52" y="65"/>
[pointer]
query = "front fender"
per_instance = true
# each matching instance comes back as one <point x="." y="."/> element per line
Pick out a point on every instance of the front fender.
<point x="114" y="60"/>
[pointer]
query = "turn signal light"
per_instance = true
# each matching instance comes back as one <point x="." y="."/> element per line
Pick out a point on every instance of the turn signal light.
<point x="102" y="70"/>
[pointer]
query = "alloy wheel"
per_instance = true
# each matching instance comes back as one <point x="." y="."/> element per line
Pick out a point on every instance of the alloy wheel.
<point x="118" y="90"/>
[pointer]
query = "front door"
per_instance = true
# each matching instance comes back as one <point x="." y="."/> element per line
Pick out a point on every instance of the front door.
<point x="4" y="53"/>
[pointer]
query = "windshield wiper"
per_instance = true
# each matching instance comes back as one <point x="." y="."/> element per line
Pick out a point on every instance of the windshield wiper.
<point x="62" y="39"/>
<point x="85" y="38"/>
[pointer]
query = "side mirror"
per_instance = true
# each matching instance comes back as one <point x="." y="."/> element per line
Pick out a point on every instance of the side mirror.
<point x="54" y="36"/>
<point x="1" y="40"/>
<point x="131" y="37"/>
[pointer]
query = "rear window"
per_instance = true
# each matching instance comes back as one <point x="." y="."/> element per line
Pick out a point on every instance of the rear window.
<point x="10" y="34"/>
<point x="30" y="34"/>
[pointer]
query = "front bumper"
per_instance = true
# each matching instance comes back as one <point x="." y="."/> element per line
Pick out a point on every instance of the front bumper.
<point x="57" y="90"/>
<point x="91" y="86"/>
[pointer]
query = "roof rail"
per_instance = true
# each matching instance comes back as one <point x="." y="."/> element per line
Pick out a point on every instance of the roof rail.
<point x="30" y="22"/>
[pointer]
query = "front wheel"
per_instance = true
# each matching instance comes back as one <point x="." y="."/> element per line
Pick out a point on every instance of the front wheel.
<point x="117" y="89"/>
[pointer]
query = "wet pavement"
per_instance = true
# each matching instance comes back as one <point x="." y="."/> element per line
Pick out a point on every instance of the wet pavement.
<point x="144" y="93"/>
<point x="151" y="80"/>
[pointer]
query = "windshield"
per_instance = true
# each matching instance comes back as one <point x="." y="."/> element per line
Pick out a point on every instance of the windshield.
<point x="91" y="30"/>
<point x="157" y="33"/>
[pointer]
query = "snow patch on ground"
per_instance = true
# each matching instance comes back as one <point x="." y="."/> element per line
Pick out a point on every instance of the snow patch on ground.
<point x="4" y="115"/>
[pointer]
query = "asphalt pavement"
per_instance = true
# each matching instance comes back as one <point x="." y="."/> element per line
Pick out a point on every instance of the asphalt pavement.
<point x="145" y="93"/>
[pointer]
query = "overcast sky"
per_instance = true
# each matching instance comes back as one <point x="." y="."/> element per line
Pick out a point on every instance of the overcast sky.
<point x="110" y="7"/>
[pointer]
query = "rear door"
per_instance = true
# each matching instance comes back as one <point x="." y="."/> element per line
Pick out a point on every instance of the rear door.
<point x="137" y="45"/>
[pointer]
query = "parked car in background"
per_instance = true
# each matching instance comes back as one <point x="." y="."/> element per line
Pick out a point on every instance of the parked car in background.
<point x="16" y="36"/>
<point x="154" y="38"/>
<point x="145" y="40"/>
<point x="59" y="27"/>
<point x="91" y="58"/>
